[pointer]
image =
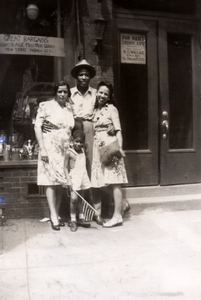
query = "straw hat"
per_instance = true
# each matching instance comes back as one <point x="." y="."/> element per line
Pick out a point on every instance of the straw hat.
<point x="83" y="64"/>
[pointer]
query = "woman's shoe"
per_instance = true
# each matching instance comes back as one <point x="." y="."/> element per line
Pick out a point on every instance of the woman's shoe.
<point x="113" y="223"/>
<point x="61" y="222"/>
<point x="54" y="227"/>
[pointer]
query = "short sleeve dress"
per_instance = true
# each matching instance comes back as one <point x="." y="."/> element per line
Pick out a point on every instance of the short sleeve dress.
<point x="56" y="141"/>
<point x="115" y="173"/>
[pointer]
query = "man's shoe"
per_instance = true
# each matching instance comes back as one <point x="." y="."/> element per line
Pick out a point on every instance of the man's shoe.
<point x="73" y="226"/>
<point x="83" y="223"/>
<point x="125" y="209"/>
<point x="61" y="222"/>
<point x="99" y="220"/>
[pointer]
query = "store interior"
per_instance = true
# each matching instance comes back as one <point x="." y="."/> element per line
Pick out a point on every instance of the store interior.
<point x="26" y="80"/>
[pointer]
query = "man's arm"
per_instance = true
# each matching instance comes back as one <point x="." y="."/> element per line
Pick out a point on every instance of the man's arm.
<point x="47" y="126"/>
<point x="111" y="130"/>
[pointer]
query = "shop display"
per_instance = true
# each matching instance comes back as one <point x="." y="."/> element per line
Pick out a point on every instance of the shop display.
<point x="19" y="142"/>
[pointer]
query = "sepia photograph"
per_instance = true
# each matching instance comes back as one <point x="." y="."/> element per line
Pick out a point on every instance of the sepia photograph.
<point x="100" y="149"/>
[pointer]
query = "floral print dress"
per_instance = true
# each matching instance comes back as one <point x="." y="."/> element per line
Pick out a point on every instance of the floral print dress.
<point x="56" y="141"/>
<point x="114" y="173"/>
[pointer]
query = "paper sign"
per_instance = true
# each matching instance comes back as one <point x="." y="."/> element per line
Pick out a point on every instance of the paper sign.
<point x="133" y="48"/>
<point x="31" y="45"/>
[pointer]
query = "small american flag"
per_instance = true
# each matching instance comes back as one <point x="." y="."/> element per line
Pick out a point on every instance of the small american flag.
<point x="88" y="210"/>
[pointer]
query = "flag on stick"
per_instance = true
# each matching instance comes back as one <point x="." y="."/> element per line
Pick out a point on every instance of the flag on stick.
<point x="88" y="210"/>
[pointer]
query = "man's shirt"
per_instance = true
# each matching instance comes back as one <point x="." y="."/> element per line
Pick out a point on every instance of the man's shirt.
<point x="83" y="105"/>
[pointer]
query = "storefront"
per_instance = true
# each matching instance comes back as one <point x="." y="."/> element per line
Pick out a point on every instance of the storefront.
<point x="33" y="55"/>
<point x="157" y="63"/>
<point x="150" y="50"/>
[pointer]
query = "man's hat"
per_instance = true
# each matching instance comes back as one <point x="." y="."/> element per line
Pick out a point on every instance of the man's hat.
<point x="83" y="64"/>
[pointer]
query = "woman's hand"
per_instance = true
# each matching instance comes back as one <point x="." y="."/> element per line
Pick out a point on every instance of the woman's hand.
<point x="122" y="152"/>
<point x="44" y="156"/>
<point x="68" y="182"/>
<point x="68" y="186"/>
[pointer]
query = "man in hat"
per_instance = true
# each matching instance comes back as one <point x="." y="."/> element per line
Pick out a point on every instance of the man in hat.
<point x="83" y="99"/>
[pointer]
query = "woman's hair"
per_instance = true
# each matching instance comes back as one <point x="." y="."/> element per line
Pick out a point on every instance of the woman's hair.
<point x="110" y="88"/>
<point x="61" y="83"/>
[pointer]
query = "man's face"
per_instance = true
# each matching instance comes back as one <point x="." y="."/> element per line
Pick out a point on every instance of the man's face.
<point x="83" y="78"/>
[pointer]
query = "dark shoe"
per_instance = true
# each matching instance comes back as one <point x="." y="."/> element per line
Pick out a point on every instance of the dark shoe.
<point x="125" y="210"/>
<point x="83" y="223"/>
<point x="61" y="223"/>
<point x="69" y="223"/>
<point x="99" y="220"/>
<point x="73" y="226"/>
<point x="54" y="227"/>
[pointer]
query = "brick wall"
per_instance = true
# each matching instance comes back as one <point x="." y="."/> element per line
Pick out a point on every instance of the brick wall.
<point x="89" y="11"/>
<point x="18" y="192"/>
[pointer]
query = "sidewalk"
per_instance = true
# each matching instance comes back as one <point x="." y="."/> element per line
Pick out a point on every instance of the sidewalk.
<point x="155" y="255"/>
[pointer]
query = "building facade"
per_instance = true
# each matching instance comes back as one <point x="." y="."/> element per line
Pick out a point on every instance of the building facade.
<point x="149" y="50"/>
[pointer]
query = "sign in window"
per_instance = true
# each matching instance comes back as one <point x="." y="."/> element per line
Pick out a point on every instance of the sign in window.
<point x="31" y="45"/>
<point x="133" y="48"/>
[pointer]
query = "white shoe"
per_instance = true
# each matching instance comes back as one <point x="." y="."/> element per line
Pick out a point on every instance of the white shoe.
<point x="45" y="220"/>
<point x="113" y="222"/>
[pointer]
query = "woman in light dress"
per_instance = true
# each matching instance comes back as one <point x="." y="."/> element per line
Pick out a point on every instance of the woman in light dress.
<point x="53" y="144"/>
<point x="114" y="173"/>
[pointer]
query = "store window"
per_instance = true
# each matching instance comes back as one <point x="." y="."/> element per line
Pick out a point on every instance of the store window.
<point x="29" y="51"/>
<point x="134" y="87"/>
<point x="180" y="91"/>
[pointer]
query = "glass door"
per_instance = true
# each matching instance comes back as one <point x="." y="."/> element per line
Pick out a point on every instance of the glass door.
<point x="180" y="103"/>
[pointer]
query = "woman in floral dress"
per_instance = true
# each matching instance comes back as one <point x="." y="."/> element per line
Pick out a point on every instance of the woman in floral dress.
<point x="114" y="174"/>
<point x="53" y="145"/>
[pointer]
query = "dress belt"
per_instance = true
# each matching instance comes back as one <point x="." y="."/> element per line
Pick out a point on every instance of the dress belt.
<point x="101" y="128"/>
<point x="89" y="120"/>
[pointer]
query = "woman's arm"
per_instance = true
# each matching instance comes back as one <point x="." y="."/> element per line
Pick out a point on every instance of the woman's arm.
<point x="120" y="140"/>
<point x="39" y="137"/>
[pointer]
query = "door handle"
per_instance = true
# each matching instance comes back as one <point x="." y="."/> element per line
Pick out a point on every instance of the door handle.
<point x="165" y="128"/>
